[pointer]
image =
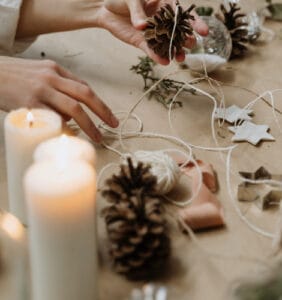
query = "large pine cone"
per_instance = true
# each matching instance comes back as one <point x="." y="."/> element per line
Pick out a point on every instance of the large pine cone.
<point x="160" y="27"/>
<point x="139" y="245"/>
<point x="237" y="28"/>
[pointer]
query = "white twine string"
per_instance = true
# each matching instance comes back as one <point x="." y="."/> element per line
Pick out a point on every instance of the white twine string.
<point x="122" y="134"/>
<point x="189" y="147"/>
<point x="260" y="97"/>
<point x="173" y="32"/>
<point x="109" y="131"/>
<point x="102" y="171"/>
<point x="261" y="181"/>
<point x="228" y="169"/>
<point x="200" y="91"/>
<point x="173" y="139"/>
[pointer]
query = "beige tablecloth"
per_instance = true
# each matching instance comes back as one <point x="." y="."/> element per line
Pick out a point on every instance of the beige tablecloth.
<point x="104" y="63"/>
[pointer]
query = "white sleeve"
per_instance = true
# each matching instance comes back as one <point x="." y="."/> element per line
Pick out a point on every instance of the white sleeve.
<point x="9" y="17"/>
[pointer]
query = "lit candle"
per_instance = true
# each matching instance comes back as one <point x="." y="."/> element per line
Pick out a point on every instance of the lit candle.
<point x="24" y="130"/>
<point x="61" y="213"/>
<point x="73" y="148"/>
<point x="14" y="277"/>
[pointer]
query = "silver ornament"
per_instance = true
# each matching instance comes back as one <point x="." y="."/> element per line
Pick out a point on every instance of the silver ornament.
<point x="213" y="50"/>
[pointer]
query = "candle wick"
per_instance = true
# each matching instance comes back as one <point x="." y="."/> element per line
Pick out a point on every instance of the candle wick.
<point x="30" y="119"/>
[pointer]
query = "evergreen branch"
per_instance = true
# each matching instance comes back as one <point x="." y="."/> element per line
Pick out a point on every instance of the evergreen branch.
<point x="166" y="89"/>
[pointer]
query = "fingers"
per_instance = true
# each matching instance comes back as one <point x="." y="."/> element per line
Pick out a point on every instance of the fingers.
<point x="130" y="32"/>
<point x="160" y="60"/>
<point x="66" y="118"/>
<point x="151" y="7"/>
<point x="67" y="74"/>
<point x="47" y="85"/>
<point x="191" y="42"/>
<point x="64" y="92"/>
<point x="84" y="94"/>
<point x="137" y="13"/>
<point x="199" y="25"/>
<point x="180" y="57"/>
<point x="69" y="107"/>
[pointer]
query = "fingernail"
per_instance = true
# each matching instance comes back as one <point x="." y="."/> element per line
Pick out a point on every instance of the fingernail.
<point x="140" y="24"/>
<point x="114" y="121"/>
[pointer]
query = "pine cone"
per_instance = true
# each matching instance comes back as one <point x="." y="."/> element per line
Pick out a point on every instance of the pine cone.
<point x="160" y="27"/>
<point x="135" y="223"/>
<point x="237" y="27"/>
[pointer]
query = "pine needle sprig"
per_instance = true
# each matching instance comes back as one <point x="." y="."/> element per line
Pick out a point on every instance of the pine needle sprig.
<point x="165" y="91"/>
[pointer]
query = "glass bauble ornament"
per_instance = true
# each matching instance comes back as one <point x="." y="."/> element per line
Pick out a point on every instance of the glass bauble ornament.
<point x="254" y="27"/>
<point x="211" y="51"/>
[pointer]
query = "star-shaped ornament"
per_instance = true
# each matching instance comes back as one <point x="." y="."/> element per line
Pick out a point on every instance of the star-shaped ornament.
<point x="250" y="132"/>
<point x="264" y="194"/>
<point x="233" y="114"/>
<point x="261" y="174"/>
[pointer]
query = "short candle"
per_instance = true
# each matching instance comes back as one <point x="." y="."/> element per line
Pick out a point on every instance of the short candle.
<point x="24" y="130"/>
<point x="72" y="147"/>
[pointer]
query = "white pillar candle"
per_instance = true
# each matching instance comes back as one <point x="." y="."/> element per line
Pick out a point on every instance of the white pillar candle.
<point x="24" y="130"/>
<point x="73" y="148"/>
<point x="61" y="213"/>
<point x="14" y="277"/>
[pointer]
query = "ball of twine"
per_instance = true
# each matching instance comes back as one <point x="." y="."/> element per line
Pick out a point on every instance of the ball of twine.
<point x="162" y="166"/>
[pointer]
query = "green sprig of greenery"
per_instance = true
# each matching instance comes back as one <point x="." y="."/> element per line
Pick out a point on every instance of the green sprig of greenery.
<point x="204" y="10"/>
<point x="165" y="90"/>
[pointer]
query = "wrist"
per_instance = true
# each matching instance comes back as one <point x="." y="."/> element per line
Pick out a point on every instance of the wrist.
<point x="85" y="13"/>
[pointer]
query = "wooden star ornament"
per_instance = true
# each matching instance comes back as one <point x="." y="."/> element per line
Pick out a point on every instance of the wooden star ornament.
<point x="233" y="114"/>
<point x="250" y="132"/>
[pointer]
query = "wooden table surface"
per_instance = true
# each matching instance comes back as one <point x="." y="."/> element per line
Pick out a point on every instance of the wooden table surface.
<point x="104" y="63"/>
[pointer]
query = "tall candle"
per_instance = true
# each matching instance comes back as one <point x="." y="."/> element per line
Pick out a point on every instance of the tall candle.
<point x="14" y="277"/>
<point x="72" y="147"/>
<point x="61" y="213"/>
<point x="24" y="130"/>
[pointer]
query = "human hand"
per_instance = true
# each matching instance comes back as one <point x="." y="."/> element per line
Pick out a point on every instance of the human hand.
<point x="32" y="83"/>
<point x="126" y="18"/>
